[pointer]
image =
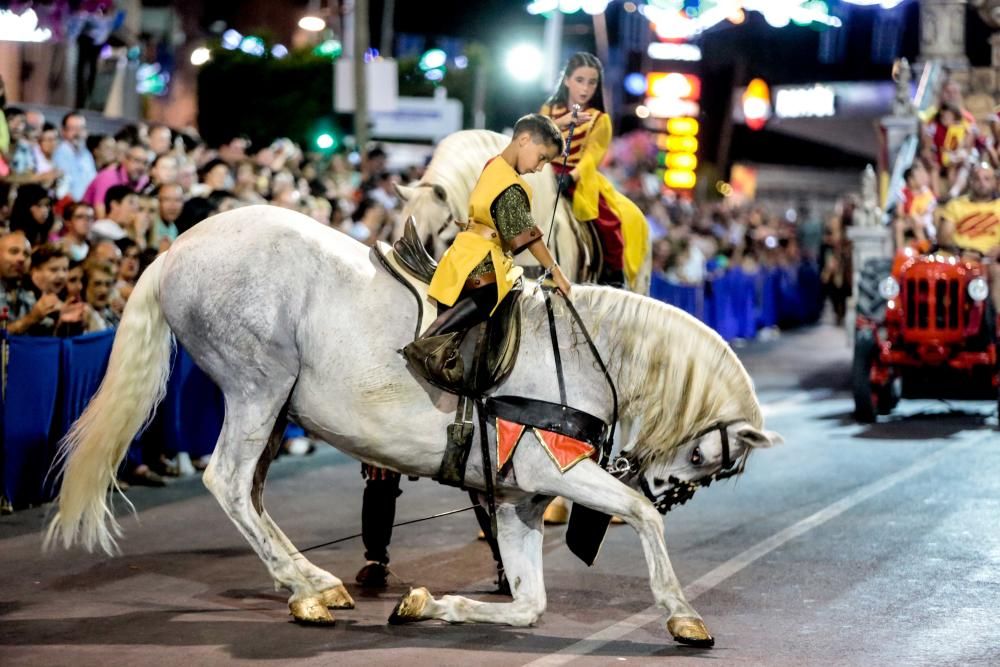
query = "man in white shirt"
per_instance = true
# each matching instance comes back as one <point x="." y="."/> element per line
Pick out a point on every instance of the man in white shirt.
<point x="72" y="156"/>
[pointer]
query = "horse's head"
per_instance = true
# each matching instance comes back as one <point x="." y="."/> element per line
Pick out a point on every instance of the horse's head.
<point x="716" y="453"/>
<point x="432" y="213"/>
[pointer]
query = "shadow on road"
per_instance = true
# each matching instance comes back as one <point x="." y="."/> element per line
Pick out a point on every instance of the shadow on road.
<point x="923" y="425"/>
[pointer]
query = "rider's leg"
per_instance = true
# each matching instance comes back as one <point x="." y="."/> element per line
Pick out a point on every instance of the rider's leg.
<point x="378" y="512"/>
<point x="609" y="229"/>
<point x="472" y="308"/>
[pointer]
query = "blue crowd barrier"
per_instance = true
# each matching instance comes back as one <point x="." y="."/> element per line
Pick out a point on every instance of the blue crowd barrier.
<point x="50" y="381"/>
<point x="28" y="415"/>
<point x="738" y="304"/>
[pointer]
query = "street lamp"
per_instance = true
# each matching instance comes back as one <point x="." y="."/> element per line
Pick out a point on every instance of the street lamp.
<point x="312" y="23"/>
<point x="524" y="63"/>
<point x="200" y="56"/>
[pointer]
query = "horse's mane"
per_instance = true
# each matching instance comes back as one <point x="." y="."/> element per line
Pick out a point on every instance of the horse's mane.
<point x="675" y="376"/>
<point x="458" y="161"/>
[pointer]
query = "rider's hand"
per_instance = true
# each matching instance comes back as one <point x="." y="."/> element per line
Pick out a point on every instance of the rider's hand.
<point x="559" y="278"/>
<point x="564" y="121"/>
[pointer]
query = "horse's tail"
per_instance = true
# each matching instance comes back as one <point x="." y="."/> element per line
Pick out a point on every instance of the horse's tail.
<point x="91" y="452"/>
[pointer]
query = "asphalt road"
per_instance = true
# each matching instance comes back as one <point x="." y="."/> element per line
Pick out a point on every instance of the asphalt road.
<point x="848" y="545"/>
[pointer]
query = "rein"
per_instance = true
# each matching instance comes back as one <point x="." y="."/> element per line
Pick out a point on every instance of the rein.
<point x="560" y="183"/>
<point x="608" y="442"/>
<point x="395" y="525"/>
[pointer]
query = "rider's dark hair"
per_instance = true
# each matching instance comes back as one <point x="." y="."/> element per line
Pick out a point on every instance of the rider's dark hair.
<point x="578" y="60"/>
<point x="541" y="128"/>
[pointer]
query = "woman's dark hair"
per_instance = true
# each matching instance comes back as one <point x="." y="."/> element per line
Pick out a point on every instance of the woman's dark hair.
<point x="94" y="140"/>
<point x="362" y="209"/>
<point x="21" y="219"/>
<point x="209" y="166"/>
<point x="129" y="134"/>
<point x="578" y="60"/>
<point x="146" y="257"/>
<point x="195" y="210"/>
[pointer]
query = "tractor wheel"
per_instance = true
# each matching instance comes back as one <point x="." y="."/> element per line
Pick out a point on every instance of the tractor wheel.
<point x="870" y="302"/>
<point x="865" y="398"/>
<point x="888" y="396"/>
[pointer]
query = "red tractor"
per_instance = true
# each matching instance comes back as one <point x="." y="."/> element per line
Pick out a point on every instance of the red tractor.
<point x="924" y="321"/>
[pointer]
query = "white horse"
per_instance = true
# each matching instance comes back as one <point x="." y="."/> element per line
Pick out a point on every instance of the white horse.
<point x="442" y="198"/>
<point x="293" y="319"/>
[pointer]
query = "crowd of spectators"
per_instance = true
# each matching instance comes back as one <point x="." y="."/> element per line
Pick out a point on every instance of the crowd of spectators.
<point x="81" y="216"/>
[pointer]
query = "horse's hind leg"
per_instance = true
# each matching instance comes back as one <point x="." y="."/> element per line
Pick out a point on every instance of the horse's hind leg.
<point x="246" y="433"/>
<point x="331" y="589"/>
<point x="520" y="540"/>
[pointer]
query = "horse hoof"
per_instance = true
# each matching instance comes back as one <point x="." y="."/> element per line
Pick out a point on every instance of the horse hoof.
<point x="557" y="513"/>
<point x="310" y="611"/>
<point x="690" y="631"/>
<point x="337" y="598"/>
<point x="410" y="607"/>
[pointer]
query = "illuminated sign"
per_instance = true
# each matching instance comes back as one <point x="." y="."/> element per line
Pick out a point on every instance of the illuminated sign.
<point x="21" y="27"/>
<point x="815" y="102"/>
<point x="673" y="85"/>
<point x="757" y="104"/>
<point x="674" y="51"/>
<point x="665" y="107"/>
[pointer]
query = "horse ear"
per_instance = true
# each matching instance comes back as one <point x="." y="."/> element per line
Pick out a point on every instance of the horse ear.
<point x="440" y="192"/>
<point x="404" y="192"/>
<point x="758" y="439"/>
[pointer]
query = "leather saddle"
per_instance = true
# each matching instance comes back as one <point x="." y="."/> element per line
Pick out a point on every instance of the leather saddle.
<point x="489" y="356"/>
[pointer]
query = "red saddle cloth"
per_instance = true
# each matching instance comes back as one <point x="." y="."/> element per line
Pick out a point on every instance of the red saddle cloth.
<point x="564" y="451"/>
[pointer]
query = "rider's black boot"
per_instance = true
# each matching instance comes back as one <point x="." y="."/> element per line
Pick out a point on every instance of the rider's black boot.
<point x="612" y="278"/>
<point x="436" y="355"/>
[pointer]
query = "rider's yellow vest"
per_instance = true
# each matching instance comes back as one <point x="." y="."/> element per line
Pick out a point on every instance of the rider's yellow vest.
<point x="469" y="248"/>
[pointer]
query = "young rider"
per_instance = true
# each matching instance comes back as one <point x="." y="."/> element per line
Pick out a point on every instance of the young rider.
<point x="620" y="225"/>
<point x="477" y="271"/>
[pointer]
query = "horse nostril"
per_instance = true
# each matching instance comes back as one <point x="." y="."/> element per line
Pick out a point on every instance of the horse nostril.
<point x="658" y="481"/>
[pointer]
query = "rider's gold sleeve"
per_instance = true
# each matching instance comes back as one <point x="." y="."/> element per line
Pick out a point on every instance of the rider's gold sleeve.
<point x="512" y="214"/>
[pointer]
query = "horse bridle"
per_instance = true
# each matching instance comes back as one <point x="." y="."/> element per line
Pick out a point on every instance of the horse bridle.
<point x="681" y="491"/>
<point x="451" y="214"/>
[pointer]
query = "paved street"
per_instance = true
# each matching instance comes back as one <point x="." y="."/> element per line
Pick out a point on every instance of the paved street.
<point x="849" y="545"/>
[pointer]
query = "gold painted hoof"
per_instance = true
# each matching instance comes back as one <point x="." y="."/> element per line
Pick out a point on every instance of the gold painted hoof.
<point x="310" y="611"/>
<point x="617" y="520"/>
<point x="337" y="598"/>
<point x="690" y="631"/>
<point x="557" y="512"/>
<point x="410" y="607"/>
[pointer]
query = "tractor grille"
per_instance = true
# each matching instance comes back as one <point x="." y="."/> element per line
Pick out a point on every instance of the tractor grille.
<point x="933" y="304"/>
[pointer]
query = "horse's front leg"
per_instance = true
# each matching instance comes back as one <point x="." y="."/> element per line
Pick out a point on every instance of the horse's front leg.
<point x="588" y="484"/>
<point x="520" y="539"/>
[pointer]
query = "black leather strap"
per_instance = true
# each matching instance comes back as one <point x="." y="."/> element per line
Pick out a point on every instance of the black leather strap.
<point x="547" y="416"/>
<point x="488" y="470"/>
<point x="555" y="348"/>
<point x="609" y="442"/>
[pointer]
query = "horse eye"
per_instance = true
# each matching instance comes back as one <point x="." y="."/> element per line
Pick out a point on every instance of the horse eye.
<point x="696" y="458"/>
